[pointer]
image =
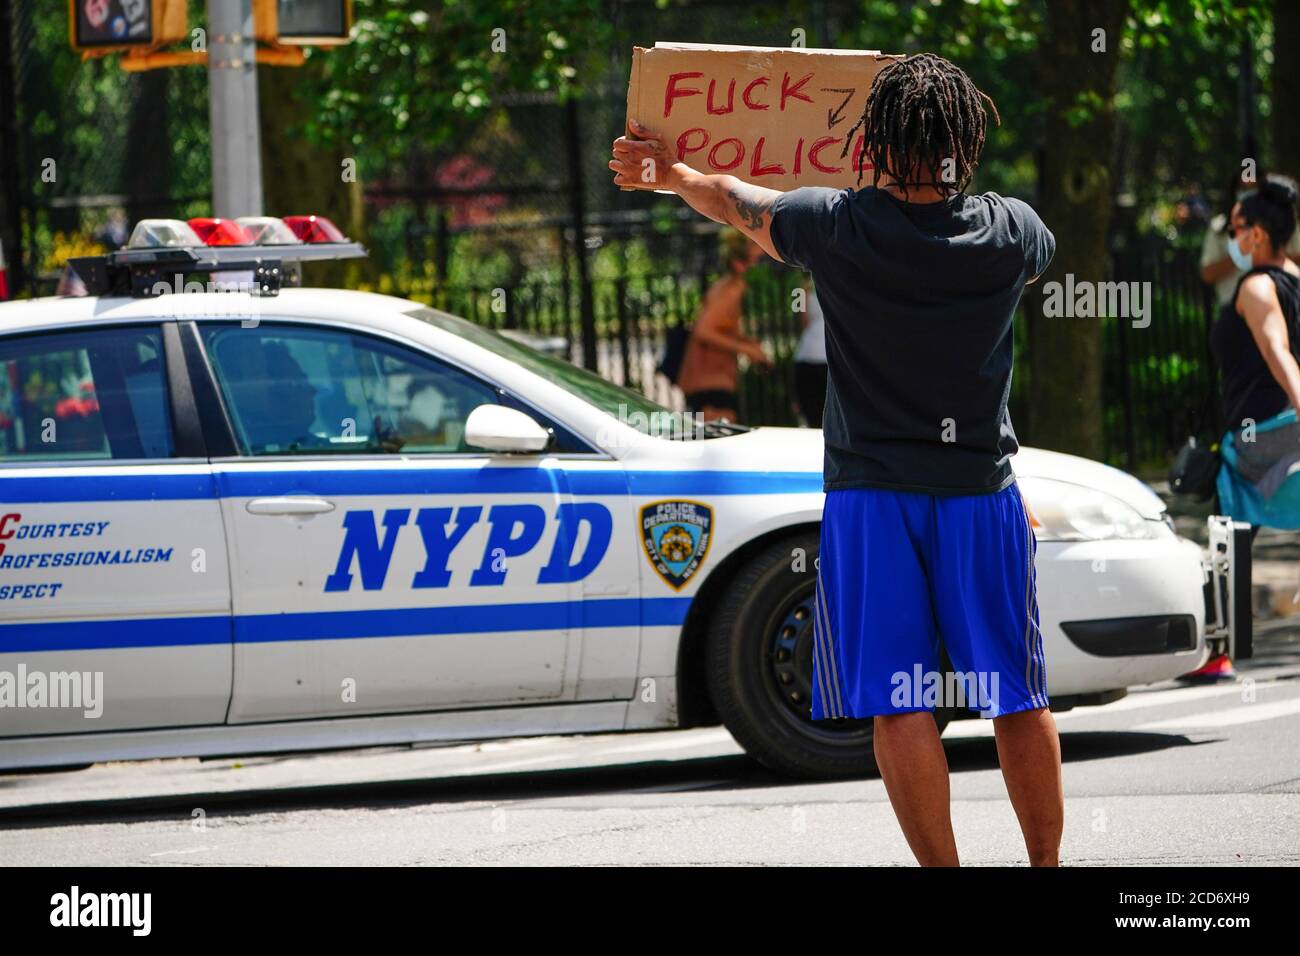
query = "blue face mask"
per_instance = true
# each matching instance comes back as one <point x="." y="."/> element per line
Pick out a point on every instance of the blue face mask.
<point x="1239" y="259"/>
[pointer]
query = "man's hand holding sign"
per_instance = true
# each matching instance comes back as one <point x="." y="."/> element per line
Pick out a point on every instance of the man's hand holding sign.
<point x="644" y="162"/>
<point x="926" y="543"/>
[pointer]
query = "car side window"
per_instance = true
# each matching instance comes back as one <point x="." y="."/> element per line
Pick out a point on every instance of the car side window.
<point x="298" y="390"/>
<point x="91" y="394"/>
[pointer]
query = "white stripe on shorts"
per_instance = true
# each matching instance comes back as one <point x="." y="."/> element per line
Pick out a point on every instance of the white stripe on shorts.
<point x="827" y="671"/>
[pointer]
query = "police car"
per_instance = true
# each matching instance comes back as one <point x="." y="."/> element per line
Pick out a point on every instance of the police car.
<point x="286" y="519"/>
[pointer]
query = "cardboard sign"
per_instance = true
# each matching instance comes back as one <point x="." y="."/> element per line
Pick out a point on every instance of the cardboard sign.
<point x="773" y="116"/>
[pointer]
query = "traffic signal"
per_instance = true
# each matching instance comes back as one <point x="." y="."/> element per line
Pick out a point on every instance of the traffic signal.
<point x="97" y="27"/>
<point x="142" y="29"/>
<point x="303" y="22"/>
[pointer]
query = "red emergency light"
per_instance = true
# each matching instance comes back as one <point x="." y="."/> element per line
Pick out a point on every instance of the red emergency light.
<point x="220" y="232"/>
<point x="314" y="229"/>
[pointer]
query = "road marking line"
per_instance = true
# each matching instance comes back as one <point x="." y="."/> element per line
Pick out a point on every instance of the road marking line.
<point x="1154" y="698"/>
<point x="1244" y="714"/>
<point x="1158" y="698"/>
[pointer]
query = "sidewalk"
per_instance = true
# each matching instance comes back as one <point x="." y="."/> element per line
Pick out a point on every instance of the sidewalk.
<point x="1276" y="556"/>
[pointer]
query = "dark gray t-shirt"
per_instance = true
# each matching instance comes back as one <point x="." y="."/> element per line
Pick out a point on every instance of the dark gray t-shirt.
<point x="918" y="300"/>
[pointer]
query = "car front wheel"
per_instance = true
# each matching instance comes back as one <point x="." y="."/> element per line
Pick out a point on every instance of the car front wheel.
<point x="760" y="669"/>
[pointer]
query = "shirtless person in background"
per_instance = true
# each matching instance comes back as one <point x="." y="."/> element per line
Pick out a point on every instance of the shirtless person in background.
<point x="710" y="368"/>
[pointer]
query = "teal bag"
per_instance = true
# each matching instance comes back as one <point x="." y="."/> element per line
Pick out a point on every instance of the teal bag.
<point x="1242" y="500"/>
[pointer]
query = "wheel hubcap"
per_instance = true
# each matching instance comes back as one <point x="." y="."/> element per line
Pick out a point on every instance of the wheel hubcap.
<point x="790" y="669"/>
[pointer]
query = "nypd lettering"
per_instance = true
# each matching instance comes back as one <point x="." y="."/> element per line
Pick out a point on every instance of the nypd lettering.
<point x="675" y="536"/>
<point x="513" y="531"/>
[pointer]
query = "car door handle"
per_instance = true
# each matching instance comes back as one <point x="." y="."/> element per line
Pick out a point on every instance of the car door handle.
<point x="296" y="505"/>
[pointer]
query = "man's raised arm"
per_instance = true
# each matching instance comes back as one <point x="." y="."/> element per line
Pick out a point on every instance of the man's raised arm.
<point x="645" y="163"/>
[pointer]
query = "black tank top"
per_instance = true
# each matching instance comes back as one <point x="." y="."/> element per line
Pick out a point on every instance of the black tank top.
<point x="1249" y="389"/>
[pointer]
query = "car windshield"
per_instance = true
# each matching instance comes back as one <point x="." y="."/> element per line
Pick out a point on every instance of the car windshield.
<point x="629" y="407"/>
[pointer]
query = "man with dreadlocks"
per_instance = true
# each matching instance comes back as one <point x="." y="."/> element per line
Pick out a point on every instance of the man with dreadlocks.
<point x="926" y="544"/>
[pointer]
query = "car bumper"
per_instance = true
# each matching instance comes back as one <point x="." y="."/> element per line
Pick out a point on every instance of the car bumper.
<point x="1119" y="613"/>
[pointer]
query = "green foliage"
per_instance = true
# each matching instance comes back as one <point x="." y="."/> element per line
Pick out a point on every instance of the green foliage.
<point x="418" y="74"/>
<point x="422" y="78"/>
<point x="995" y="41"/>
<point x="1179" y="88"/>
<point x="79" y="112"/>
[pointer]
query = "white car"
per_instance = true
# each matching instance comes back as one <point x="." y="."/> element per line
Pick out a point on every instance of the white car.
<point x="237" y="524"/>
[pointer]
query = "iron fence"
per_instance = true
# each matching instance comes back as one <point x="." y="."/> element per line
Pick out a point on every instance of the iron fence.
<point x="1159" y="381"/>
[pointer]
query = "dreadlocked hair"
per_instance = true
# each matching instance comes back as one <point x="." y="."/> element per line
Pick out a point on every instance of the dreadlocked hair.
<point x="921" y="111"/>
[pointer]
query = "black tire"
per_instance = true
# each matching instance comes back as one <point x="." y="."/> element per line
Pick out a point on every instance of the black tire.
<point x="759" y="668"/>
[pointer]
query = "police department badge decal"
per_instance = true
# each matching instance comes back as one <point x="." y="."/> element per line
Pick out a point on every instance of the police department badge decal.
<point x="676" y="535"/>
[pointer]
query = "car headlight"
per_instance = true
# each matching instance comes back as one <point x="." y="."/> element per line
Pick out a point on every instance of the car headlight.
<point x="1060" y="511"/>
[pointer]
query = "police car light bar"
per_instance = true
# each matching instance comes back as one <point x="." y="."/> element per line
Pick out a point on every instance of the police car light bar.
<point x="165" y="250"/>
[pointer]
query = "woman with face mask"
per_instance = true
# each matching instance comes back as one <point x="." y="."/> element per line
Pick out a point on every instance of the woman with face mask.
<point x="1217" y="267"/>
<point x="1256" y="342"/>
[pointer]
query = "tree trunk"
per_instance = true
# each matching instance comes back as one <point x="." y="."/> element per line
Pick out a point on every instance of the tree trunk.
<point x="300" y="178"/>
<point x="1075" y="200"/>
<point x="1286" y="87"/>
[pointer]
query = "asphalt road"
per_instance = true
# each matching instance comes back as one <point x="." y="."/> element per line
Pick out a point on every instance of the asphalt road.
<point x="1170" y="775"/>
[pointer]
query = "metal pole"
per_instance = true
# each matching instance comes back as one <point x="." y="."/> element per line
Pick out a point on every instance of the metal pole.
<point x="578" y="211"/>
<point x="232" y="109"/>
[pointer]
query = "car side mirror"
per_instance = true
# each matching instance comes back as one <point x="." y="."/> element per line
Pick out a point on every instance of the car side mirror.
<point x="503" y="429"/>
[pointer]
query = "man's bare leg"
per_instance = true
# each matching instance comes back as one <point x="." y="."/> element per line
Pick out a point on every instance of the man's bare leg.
<point x="915" y="770"/>
<point x="1029" y="751"/>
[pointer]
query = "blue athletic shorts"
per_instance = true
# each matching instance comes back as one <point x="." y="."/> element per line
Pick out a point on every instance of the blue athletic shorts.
<point x="899" y="573"/>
